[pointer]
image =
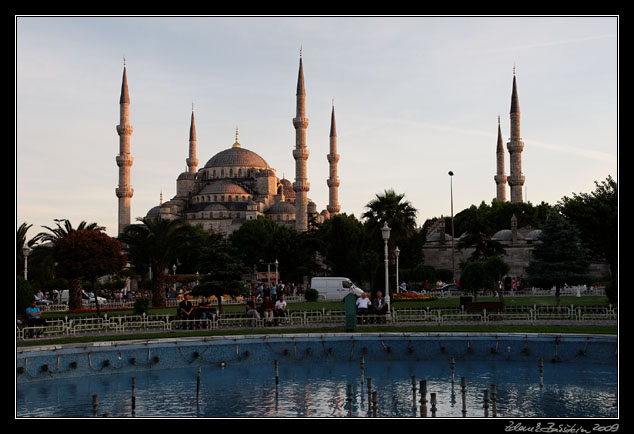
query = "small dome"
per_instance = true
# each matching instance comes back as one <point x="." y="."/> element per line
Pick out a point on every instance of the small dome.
<point x="287" y="187"/>
<point x="153" y="212"/>
<point x="506" y="235"/>
<point x="533" y="235"/>
<point x="237" y="157"/>
<point x="281" y="208"/>
<point x="186" y="175"/>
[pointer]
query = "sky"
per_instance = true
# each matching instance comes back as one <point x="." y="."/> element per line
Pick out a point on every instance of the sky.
<point x="414" y="97"/>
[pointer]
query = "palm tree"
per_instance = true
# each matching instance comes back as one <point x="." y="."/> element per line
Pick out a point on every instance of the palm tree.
<point x="21" y="243"/>
<point x="400" y="216"/>
<point x="152" y="247"/>
<point x="61" y="232"/>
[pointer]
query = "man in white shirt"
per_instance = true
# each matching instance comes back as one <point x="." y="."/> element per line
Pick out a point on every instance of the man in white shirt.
<point x="280" y="307"/>
<point x="363" y="304"/>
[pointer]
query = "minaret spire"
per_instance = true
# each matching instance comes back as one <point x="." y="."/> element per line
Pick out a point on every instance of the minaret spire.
<point x="500" y="177"/>
<point x="124" y="160"/>
<point x="192" y="161"/>
<point x="300" y="154"/>
<point x="333" y="158"/>
<point x="515" y="147"/>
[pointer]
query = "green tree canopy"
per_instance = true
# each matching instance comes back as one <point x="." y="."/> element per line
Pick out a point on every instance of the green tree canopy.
<point x="596" y="216"/>
<point x="560" y="257"/>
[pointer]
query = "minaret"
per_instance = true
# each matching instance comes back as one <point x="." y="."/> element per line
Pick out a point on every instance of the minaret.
<point x="300" y="153"/>
<point x="192" y="161"/>
<point x="515" y="147"/>
<point x="124" y="160"/>
<point x="333" y="182"/>
<point x="500" y="178"/>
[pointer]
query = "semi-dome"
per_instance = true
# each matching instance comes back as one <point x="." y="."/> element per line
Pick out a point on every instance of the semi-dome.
<point x="223" y="187"/>
<point x="236" y="157"/>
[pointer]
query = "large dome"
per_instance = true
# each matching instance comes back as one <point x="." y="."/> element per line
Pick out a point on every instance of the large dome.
<point x="236" y="157"/>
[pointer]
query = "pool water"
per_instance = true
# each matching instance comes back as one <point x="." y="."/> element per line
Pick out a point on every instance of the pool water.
<point x="310" y="389"/>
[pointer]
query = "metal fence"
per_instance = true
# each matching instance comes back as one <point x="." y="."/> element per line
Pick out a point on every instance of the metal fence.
<point x="122" y="324"/>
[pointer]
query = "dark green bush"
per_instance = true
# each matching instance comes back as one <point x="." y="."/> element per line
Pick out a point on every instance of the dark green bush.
<point x="142" y="305"/>
<point x="311" y="294"/>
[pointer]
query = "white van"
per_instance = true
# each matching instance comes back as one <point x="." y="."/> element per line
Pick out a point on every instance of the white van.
<point x="85" y="297"/>
<point x="334" y="288"/>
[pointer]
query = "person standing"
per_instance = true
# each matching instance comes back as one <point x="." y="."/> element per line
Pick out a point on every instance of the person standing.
<point x="280" y="307"/>
<point x="268" y="307"/>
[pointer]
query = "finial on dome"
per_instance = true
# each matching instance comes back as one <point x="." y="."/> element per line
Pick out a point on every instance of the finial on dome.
<point x="236" y="144"/>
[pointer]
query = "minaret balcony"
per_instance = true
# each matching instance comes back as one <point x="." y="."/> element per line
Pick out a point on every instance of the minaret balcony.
<point x="124" y="191"/>
<point x="516" y="180"/>
<point x="300" y="122"/>
<point x="301" y="154"/>
<point x="301" y="186"/>
<point x="514" y="146"/>
<point x="124" y="160"/>
<point x="124" y="130"/>
<point x="333" y="182"/>
<point x="332" y="158"/>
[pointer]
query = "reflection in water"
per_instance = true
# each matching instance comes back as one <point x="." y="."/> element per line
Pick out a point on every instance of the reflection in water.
<point x="309" y="389"/>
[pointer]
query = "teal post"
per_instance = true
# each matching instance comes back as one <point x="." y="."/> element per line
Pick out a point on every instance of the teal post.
<point x="350" y="301"/>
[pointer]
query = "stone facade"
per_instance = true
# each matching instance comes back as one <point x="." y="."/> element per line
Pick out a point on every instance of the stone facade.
<point x="518" y="244"/>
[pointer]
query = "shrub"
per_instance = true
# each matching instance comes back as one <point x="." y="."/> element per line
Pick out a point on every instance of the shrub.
<point x="311" y="294"/>
<point x="142" y="305"/>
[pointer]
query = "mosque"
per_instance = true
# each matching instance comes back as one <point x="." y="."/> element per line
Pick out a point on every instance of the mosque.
<point x="236" y="184"/>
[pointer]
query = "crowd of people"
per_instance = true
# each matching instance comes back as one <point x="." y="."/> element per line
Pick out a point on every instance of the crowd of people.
<point x="268" y="302"/>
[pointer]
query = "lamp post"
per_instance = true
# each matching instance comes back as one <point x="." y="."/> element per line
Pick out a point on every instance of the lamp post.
<point x="385" y="233"/>
<point x="453" y="260"/>
<point x="397" y="252"/>
<point x="25" y="252"/>
<point x="276" y="271"/>
<point x="174" y="272"/>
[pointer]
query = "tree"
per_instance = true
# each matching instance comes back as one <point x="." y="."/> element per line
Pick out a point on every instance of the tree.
<point x="400" y="216"/>
<point x="596" y="216"/>
<point x="65" y="228"/>
<point x="263" y="240"/>
<point x="152" y="247"/>
<point x="342" y="240"/>
<point x="478" y="235"/>
<point x="497" y="268"/>
<point x="474" y="278"/>
<point x="85" y="255"/>
<point x="559" y="258"/>
<point x="224" y="269"/>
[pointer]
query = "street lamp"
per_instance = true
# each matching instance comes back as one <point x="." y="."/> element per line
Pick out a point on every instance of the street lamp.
<point x="25" y="252"/>
<point x="396" y="253"/>
<point x="276" y="272"/>
<point x="385" y="233"/>
<point x="174" y="270"/>
<point x="453" y="260"/>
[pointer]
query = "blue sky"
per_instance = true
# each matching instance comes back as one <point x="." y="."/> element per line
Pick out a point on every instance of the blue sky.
<point x="414" y="98"/>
